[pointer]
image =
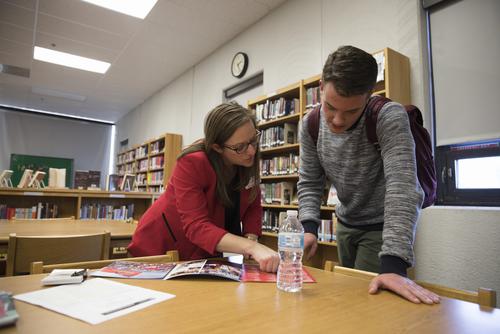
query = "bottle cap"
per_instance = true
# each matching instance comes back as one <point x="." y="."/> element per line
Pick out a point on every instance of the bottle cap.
<point x="292" y="213"/>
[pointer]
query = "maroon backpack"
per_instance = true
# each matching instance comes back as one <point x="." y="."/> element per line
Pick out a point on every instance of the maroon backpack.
<point x="426" y="170"/>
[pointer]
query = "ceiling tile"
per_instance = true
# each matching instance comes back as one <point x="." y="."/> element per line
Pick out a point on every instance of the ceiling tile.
<point x="145" y="55"/>
<point x="88" y="35"/>
<point x="16" y="33"/>
<point x="76" y="47"/>
<point x="28" y="4"/>
<point x="18" y="59"/>
<point x="89" y="15"/>
<point x="14" y="48"/>
<point x="16" y="15"/>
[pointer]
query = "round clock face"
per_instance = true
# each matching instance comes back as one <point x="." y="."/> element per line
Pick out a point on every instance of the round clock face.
<point x="239" y="64"/>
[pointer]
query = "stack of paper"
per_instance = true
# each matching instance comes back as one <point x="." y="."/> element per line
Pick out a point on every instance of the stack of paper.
<point x="65" y="276"/>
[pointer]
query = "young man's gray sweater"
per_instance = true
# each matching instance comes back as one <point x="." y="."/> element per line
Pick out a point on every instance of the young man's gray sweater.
<point x="373" y="187"/>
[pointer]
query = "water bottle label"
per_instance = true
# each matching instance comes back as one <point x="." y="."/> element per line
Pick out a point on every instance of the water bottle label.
<point x="290" y="240"/>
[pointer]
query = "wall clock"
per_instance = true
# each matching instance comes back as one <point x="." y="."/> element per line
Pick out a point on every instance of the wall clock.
<point x="239" y="65"/>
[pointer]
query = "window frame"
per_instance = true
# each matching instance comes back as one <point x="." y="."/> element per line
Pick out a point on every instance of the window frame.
<point x="448" y="193"/>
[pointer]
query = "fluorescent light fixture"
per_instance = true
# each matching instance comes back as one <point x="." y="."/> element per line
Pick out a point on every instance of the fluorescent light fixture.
<point x="44" y="112"/>
<point x="112" y="149"/>
<point x="58" y="93"/>
<point x="69" y="60"/>
<point x="136" y="8"/>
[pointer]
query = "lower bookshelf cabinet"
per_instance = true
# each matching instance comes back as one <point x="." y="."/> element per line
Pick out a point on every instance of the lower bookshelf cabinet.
<point x="80" y="204"/>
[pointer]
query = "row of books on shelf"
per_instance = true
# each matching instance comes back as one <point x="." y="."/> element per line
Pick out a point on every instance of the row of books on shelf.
<point x="281" y="165"/>
<point x="101" y="211"/>
<point x="327" y="230"/>
<point x="276" y="108"/>
<point x="87" y="179"/>
<point x="280" y="193"/>
<point x="313" y="97"/>
<point x="126" y="157"/>
<point x="128" y="168"/>
<point x="155" y="178"/>
<point x="271" y="220"/>
<point x="141" y="152"/>
<point x="285" y="193"/>
<point x="156" y="162"/>
<point x="156" y="188"/>
<point x="41" y="210"/>
<point x="157" y="146"/>
<point x="141" y="179"/>
<point x="143" y="166"/>
<point x="278" y="135"/>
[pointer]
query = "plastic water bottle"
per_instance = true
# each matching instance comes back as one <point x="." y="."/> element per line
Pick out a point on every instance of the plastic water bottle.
<point x="291" y="249"/>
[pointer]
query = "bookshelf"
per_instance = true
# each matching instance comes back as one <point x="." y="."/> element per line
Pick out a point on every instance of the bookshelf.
<point x="152" y="162"/>
<point x="279" y="158"/>
<point x="71" y="203"/>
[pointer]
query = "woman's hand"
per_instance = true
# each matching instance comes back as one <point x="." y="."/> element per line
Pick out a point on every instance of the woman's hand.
<point x="267" y="258"/>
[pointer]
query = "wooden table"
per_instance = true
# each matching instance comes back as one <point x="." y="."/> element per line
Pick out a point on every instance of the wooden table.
<point x="335" y="304"/>
<point x="121" y="232"/>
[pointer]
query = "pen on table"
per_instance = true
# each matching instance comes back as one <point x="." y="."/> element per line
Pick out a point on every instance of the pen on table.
<point x="127" y="306"/>
<point x="82" y="272"/>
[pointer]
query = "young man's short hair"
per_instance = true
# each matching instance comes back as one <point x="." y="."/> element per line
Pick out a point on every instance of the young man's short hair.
<point x="352" y="71"/>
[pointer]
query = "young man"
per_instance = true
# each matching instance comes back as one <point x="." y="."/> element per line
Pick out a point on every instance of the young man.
<point x="380" y="196"/>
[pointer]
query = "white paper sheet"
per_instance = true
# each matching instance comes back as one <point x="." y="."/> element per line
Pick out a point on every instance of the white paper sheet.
<point x="95" y="300"/>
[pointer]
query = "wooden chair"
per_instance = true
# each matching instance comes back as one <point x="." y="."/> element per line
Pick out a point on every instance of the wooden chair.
<point x="23" y="250"/>
<point x="483" y="296"/>
<point x="40" y="268"/>
<point x="330" y="265"/>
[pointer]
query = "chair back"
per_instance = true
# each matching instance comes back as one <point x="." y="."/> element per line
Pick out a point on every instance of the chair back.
<point x="482" y="297"/>
<point x="354" y="272"/>
<point x="23" y="250"/>
<point x="40" y="268"/>
<point x="329" y="265"/>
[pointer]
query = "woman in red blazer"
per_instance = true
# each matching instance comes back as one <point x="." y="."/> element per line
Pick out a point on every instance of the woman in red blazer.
<point x="212" y="189"/>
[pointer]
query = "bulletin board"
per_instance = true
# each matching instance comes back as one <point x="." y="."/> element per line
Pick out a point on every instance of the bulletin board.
<point x="20" y="162"/>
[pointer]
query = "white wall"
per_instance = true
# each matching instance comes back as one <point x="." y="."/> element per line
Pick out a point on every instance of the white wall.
<point x="459" y="247"/>
<point x="290" y="44"/>
<point x="28" y="133"/>
<point x="169" y="110"/>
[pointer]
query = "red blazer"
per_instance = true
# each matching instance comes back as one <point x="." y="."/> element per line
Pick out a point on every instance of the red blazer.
<point x="188" y="216"/>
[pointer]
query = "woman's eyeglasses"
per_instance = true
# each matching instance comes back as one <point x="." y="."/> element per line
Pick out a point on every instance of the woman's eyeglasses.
<point x="243" y="147"/>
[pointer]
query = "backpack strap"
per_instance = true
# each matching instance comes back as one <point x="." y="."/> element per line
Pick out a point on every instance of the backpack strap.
<point x="313" y="123"/>
<point x="375" y="104"/>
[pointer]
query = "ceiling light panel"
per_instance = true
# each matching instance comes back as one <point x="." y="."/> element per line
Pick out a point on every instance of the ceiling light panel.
<point x="70" y="60"/>
<point x="136" y="8"/>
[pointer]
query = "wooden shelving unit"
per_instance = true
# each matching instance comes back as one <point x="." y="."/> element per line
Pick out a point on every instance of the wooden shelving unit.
<point x="70" y="201"/>
<point x="152" y="162"/>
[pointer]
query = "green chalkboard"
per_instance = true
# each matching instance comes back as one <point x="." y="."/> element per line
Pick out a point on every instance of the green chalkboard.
<point x="19" y="162"/>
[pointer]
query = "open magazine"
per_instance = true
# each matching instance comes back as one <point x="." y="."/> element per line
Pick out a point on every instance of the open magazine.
<point x="216" y="268"/>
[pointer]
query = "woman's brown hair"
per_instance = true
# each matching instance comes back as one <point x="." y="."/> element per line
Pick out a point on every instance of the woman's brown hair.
<point x="220" y="124"/>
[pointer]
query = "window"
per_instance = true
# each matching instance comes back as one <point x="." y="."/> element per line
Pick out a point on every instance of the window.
<point x="464" y="81"/>
<point x="469" y="174"/>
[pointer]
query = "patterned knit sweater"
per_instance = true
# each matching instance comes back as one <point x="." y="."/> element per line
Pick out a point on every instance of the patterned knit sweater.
<point x="373" y="187"/>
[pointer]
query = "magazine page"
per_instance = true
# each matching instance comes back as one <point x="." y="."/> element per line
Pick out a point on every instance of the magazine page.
<point x="139" y="270"/>
<point x="252" y="273"/>
<point x="186" y="268"/>
<point x="221" y="268"/>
